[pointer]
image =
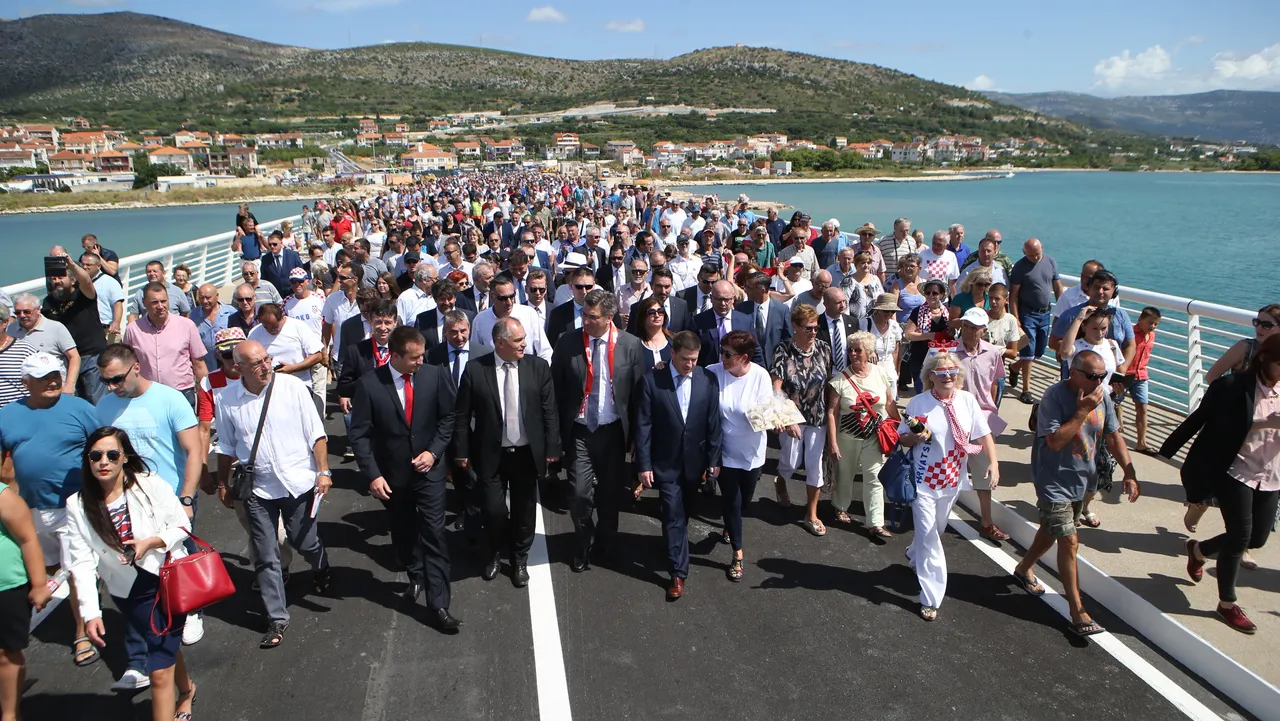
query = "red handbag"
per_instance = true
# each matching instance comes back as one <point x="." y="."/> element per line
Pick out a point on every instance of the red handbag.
<point x="886" y="433"/>
<point x="191" y="583"/>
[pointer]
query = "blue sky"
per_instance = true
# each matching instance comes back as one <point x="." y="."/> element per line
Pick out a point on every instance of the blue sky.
<point x="1118" y="47"/>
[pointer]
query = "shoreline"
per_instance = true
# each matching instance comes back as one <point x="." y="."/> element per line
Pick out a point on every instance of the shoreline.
<point x="142" y="204"/>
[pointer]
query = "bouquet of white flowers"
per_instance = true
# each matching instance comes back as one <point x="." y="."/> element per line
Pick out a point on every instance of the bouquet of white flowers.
<point x="778" y="412"/>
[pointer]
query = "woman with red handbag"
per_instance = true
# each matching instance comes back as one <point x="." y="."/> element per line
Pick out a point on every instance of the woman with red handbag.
<point x="859" y="400"/>
<point x="122" y="526"/>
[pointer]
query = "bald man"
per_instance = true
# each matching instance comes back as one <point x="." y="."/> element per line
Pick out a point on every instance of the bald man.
<point x="1034" y="286"/>
<point x="718" y="321"/>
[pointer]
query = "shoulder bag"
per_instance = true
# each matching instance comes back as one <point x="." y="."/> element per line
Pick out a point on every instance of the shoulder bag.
<point x="191" y="583"/>
<point x="242" y="475"/>
<point x="886" y="433"/>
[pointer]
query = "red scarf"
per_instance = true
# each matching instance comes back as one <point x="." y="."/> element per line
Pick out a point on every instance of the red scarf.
<point x="960" y="435"/>
<point x="612" y="340"/>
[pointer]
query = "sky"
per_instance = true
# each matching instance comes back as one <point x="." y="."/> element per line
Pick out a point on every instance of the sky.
<point x="1107" y="48"/>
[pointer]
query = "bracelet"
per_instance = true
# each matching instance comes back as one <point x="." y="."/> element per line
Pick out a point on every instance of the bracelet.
<point x="222" y="486"/>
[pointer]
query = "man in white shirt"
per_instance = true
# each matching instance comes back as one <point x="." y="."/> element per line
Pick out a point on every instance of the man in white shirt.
<point x="452" y="254"/>
<point x="695" y="222"/>
<point x="503" y="293"/>
<point x="937" y="261"/>
<point x="291" y="469"/>
<point x="110" y="296"/>
<point x="987" y="249"/>
<point x="339" y="307"/>
<point x="293" y="346"/>
<point x="635" y="291"/>
<point x="897" y="244"/>
<point x="799" y="248"/>
<point x="417" y="298"/>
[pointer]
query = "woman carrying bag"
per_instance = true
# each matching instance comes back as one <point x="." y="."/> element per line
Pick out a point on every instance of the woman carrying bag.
<point x="122" y="526"/>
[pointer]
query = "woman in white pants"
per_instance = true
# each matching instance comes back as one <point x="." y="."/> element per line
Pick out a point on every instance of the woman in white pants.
<point x="956" y="428"/>
<point x="800" y="371"/>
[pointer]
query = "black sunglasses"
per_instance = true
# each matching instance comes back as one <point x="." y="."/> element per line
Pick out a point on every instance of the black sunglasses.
<point x="1263" y="324"/>
<point x="112" y="455"/>
<point x="116" y="380"/>
<point x="1091" y="376"/>
<point x="244" y="300"/>
<point x="512" y="296"/>
<point x="579" y="286"/>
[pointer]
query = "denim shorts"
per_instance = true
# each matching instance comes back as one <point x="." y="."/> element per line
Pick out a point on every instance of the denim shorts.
<point x="1138" y="389"/>
<point x="1037" y="326"/>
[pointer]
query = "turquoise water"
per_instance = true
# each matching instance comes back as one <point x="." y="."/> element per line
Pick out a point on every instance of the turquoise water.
<point x="25" y="239"/>
<point x="1210" y="236"/>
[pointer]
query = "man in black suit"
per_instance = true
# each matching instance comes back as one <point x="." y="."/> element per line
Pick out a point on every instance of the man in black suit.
<point x="539" y="289"/>
<point x="363" y="356"/>
<point x="568" y="316"/>
<point x="771" y="320"/>
<point x="597" y="259"/>
<point x="678" y="317"/>
<point x="277" y="261"/>
<point x="476" y="298"/>
<point x="719" y="321"/>
<point x="595" y="371"/>
<point x="452" y="356"/>
<point x="402" y="419"/>
<point x="835" y="325"/>
<point x="677" y="442"/>
<point x="698" y="296"/>
<point x="357" y="327"/>
<point x="517" y="272"/>
<point x="431" y="322"/>
<point x="500" y="225"/>
<point x="510" y="399"/>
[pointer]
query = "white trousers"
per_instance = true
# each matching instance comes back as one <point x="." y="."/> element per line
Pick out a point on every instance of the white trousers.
<point x="930" y="513"/>
<point x="807" y="448"/>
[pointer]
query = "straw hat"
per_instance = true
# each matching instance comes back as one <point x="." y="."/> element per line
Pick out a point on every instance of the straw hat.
<point x="886" y="301"/>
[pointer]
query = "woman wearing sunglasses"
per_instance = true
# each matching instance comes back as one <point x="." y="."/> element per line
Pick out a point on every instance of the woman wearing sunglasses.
<point x="1233" y="459"/>
<point x="121" y="526"/>
<point x="653" y="333"/>
<point x="924" y="324"/>
<point x="955" y="428"/>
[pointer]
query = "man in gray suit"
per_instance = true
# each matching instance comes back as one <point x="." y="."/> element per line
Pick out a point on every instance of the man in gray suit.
<point x="594" y="371"/>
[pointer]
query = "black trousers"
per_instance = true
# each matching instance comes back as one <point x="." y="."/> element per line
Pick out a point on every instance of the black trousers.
<point x="1248" y="515"/>
<point x="595" y="472"/>
<point x="418" y="535"/>
<point x="512" y="533"/>
<point x="471" y="495"/>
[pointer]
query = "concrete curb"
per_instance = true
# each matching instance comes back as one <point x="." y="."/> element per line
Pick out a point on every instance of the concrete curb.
<point x="1224" y="673"/>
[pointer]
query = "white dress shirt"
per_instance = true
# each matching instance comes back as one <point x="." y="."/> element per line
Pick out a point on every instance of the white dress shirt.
<point x="398" y="379"/>
<point x="684" y="390"/>
<point x="463" y="355"/>
<point x="285" y="463"/>
<point x="412" y="302"/>
<point x="535" y="332"/>
<point x="606" y="412"/>
<point x="543" y="312"/>
<point x="503" y="368"/>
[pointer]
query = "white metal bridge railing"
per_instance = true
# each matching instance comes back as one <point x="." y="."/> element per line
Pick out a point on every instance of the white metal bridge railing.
<point x="1192" y="334"/>
<point x="210" y="259"/>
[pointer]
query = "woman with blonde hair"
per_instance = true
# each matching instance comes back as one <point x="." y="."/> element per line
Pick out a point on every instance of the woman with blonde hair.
<point x="290" y="240"/>
<point x="859" y="399"/>
<point x="954" y="429"/>
<point x="974" y="286"/>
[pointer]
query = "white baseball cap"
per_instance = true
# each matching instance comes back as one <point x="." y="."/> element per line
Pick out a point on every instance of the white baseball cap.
<point x="39" y="365"/>
<point x="976" y="316"/>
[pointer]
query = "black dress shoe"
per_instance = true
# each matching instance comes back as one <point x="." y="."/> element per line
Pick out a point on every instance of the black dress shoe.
<point x="491" y="569"/>
<point x="579" y="564"/>
<point x="519" y="575"/>
<point x="441" y="620"/>
<point x="411" y="593"/>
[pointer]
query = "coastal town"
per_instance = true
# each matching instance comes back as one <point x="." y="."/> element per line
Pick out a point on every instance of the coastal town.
<point x="77" y="156"/>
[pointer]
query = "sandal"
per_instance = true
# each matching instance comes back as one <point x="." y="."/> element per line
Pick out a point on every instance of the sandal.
<point x="182" y="697"/>
<point x="78" y="655"/>
<point x="843" y="517"/>
<point x="1247" y="562"/>
<point x="735" y="570"/>
<point x="880" y="532"/>
<point x="814" y="527"/>
<point x="1026" y="398"/>
<point x="323" y="580"/>
<point x="1191" y="519"/>
<point x="274" y="635"/>
<point x="1030" y="584"/>
<point x="780" y="492"/>
<point x="724" y="537"/>
<point x="993" y="533"/>
<point x="1086" y="628"/>
<point x="929" y="613"/>
<point x="1089" y="520"/>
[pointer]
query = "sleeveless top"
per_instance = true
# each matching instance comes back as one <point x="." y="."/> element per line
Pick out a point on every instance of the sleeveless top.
<point x="1250" y="348"/>
<point x="13" y="572"/>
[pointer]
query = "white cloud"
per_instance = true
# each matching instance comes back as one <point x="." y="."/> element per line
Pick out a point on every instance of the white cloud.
<point x="545" y="14"/>
<point x="1120" y="70"/>
<point x="341" y="6"/>
<point x="1193" y="40"/>
<point x="625" y="26"/>
<point x="1259" y="69"/>
<point x="982" y="82"/>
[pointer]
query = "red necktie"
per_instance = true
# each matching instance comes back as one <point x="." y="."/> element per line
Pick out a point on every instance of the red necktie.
<point x="408" y="398"/>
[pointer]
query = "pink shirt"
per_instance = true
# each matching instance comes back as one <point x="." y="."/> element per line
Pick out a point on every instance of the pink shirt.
<point x="981" y="369"/>
<point x="165" y="354"/>
<point x="1258" y="461"/>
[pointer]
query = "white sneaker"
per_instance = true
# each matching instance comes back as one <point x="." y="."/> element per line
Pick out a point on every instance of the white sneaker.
<point x="132" y="680"/>
<point x="193" y="631"/>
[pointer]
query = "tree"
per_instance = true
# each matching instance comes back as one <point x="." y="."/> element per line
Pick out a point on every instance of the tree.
<point x="145" y="174"/>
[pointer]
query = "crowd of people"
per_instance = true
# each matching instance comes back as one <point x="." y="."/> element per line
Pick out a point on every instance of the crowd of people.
<point x="491" y="331"/>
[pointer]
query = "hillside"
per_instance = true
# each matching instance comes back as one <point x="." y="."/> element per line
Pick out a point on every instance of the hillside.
<point x="136" y="70"/>
<point x="1221" y="115"/>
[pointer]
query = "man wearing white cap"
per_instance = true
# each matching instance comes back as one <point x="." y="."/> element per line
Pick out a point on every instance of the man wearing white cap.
<point x="983" y="365"/>
<point x="45" y="433"/>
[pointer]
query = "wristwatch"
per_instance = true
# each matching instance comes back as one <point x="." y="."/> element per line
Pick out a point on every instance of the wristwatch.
<point x="187" y="500"/>
<point x="324" y="473"/>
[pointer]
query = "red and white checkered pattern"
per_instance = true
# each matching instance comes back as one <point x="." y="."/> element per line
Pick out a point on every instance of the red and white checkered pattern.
<point x="946" y="472"/>
<point x="937" y="269"/>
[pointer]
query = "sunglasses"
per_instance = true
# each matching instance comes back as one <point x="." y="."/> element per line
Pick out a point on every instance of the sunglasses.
<point x="579" y="286"/>
<point x="225" y="355"/>
<point x="726" y="353"/>
<point x="655" y="311"/>
<point x="511" y="296"/>
<point x="947" y="372"/>
<point x="638" y="271"/>
<point x="1263" y="324"/>
<point x="244" y="300"/>
<point x="535" y="290"/>
<point x="1091" y="376"/>
<point x="810" y="328"/>
<point x="112" y="455"/>
<point x="116" y="380"/>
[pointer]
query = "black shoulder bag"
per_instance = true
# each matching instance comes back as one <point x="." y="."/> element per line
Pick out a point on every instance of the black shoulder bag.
<point x="242" y="476"/>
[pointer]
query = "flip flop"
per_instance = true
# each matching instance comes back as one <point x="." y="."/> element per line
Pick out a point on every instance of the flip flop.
<point x="1086" y="628"/>
<point x="1030" y="585"/>
<point x="1089" y="520"/>
<point x="814" y="528"/>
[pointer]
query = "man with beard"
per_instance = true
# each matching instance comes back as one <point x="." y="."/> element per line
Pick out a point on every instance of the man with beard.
<point x="73" y="302"/>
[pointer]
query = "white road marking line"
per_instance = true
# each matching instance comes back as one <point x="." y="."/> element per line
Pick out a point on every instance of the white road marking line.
<point x="60" y="593"/>
<point x="548" y="656"/>
<point x="1160" y="683"/>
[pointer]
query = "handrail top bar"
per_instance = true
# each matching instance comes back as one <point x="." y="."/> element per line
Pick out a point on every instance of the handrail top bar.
<point x="1190" y="306"/>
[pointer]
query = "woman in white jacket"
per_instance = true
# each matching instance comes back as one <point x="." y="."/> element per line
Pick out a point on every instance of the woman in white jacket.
<point x="120" y="527"/>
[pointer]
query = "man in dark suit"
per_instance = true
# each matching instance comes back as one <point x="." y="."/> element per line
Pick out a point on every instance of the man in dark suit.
<point x="361" y="357"/>
<point x="595" y="371"/>
<point x="453" y="355"/>
<point x="719" y="321"/>
<point x="698" y="296"/>
<point x="402" y="419"/>
<point x="476" y="298"/>
<point x="431" y="322"/>
<point x="510" y="399"/>
<point x="568" y="316"/>
<point x="597" y="259"/>
<point x="770" y="320"/>
<point x="678" y="317"/>
<point x="677" y="441"/>
<point x="357" y="327"/>
<point x="834" y="326"/>
<point x="517" y="272"/>
<point x="278" y="261"/>
<point x="539" y="289"/>
<point x="503" y="227"/>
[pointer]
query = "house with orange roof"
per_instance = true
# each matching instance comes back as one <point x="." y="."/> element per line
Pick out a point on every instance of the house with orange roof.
<point x="172" y="156"/>
<point x="129" y="147"/>
<point x="395" y="138"/>
<point x="467" y="149"/>
<point x="279" y="140"/>
<point x="88" y="143"/>
<point x="364" y="140"/>
<point x="47" y="133"/>
<point x="402" y="127"/>
<point x="196" y="148"/>
<point x="503" y="149"/>
<point x="16" y="157"/>
<point x="225" y="161"/>
<point x="231" y="140"/>
<point x="438" y="125"/>
<point x="368" y="125"/>
<point x="870" y="151"/>
<point x="152" y="140"/>
<point x="113" y="161"/>
<point x="590" y="151"/>
<point x="429" y="160"/>
<point x="68" y="160"/>
<point x="80" y="123"/>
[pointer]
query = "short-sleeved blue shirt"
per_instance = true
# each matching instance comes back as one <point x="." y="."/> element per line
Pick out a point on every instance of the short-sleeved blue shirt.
<point x="1062" y="476"/>
<point x="152" y="421"/>
<point x="48" y="447"/>
<point x="1121" y="330"/>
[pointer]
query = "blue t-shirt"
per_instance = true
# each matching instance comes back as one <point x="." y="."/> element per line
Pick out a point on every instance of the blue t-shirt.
<point x="250" y="246"/>
<point x="1121" y="330"/>
<point x="1062" y="476"/>
<point x="153" y="421"/>
<point x="48" y="447"/>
